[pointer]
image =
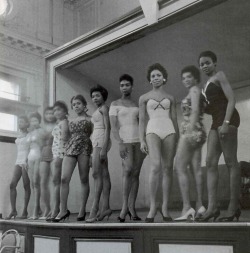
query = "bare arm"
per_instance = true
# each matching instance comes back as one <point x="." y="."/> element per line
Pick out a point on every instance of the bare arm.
<point x="104" y="111"/>
<point x="195" y="106"/>
<point x="65" y="130"/>
<point x="115" y="128"/>
<point x="173" y="114"/>
<point x="142" y="124"/>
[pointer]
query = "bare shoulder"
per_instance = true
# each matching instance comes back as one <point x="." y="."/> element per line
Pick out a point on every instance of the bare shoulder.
<point x="115" y="103"/>
<point x="104" y="109"/>
<point x="220" y="75"/>
<point x="195" y="90"/>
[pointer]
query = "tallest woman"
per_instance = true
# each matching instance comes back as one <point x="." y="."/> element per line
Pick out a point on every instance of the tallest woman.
<point x="219" y="98"/>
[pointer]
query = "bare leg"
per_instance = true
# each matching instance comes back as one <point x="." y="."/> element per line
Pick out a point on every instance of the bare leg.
<point x="45" y="194"/>
<point x="27" y="192"/>
<point x="154" y="147"/>
<point x="98" y="181"/>
<point x="168" y="153"/>
<point x="183" y="157"/>
<point x="13" y="193"/>
<point x="229" y="147"/>
<point x="213" y="155"/>
<point x="56" y="179"/>
<point x="36" y="184"/>
<point x="83" y="166"/>
<point x="68" y="167"/>
<point x="106" y="187"/>
<point x="138" y="160"/>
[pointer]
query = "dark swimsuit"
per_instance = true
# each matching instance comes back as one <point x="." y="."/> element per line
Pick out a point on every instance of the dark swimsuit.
<point x="216" y="106"/>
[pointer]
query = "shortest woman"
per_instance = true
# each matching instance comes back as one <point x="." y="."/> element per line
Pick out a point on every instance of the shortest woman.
<point x="78" y="150"/>
<point x="60" y="134"/>
<point x="101" y="146"/>
<point x="20" y="169"/>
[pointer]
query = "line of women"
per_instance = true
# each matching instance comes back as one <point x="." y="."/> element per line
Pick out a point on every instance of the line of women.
<point x="150" y="129"/>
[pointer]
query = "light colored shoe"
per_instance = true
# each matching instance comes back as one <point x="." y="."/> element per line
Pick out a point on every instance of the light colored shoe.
<point x="189" y="214"/>
<point x="200" y="212"/>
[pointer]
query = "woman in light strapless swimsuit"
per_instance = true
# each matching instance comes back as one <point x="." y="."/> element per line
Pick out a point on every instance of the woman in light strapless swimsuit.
<point x="192" y="138"/>
<point x="101" y="145"/>
<point x="78" y="150"/>
<point x="158" y="137"/>
<point x="46" y="159"/>
<point x="36" y="141"/>
<point x="124" y="116"/>
<point x="223" y="137"/>
<point x="20" y="169"/>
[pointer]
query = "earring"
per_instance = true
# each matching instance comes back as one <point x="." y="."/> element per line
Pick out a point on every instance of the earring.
<point x="164" y="80"/>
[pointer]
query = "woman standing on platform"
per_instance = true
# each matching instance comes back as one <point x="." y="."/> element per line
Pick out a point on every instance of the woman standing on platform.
<point x="222" y="138"/>
<point x="36" y="141"/>
<point x="78" y="150"/>
<point x="20" y="169"/>
<point x="101" y="145"/>
<point x="159" y="138"/>
<point x="60" y="136"/>
<point x="124" y="116"/>
<point x="192" y="138"/>
<point x="46" y="159"/>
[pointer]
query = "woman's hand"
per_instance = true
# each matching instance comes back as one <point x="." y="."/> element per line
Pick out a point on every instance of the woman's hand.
<point x="103" y="155"/>
<point x="144" y="147"/>
<point x="223" y="130"/>
<point x="123" y="151"/>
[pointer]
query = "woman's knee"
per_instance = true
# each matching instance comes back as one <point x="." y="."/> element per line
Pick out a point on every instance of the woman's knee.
<point x="96" y="174"/>
<point x="13" y="185"/>
<point x="65" y="180"/>
<point x="127" y="170"/>
<point x="155" y="167"/>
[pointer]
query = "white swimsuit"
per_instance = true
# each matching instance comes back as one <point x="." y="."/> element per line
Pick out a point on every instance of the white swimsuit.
<point x="22" y="150"/>
<point x="159" y="122"/>
<point x="128" y="122"/>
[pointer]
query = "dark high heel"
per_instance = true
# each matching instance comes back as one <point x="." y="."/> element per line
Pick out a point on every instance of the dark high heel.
<point x="149" y="220"/>
<point x="82" y="218"/>
<point x="214" y="215"/>
<point x="63" y="218"/>
<point x="231" y="218"/>
<point x="12" y="214"/>
<point x="107" y="213"/>
<point x="123" y="219"/>
<point x="135" y="218"/>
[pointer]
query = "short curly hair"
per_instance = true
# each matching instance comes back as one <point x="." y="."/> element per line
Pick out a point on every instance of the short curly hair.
<point x="209" y="54"/>
<point x="36" y="115"/>
<point x="48" y="108"/>
<point x="157" y="66"/>
<point x="25" y="118"/>
<point x="194" y="72"/>
<point x="127" y="77"/>
<point x="79" y="97"/>
<point x="101" y="89"/>
<point x="62" y="105"/>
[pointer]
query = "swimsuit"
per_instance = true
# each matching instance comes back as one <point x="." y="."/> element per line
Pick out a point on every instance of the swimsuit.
<point x="216" y="105"/>
<point x="98" y="134"/>
<point x="79" y="142"/>
<point x="35" y="138"/>
<point x="58" y="145"/>
<point x="198" y="136"/>
<point x="22" y="151"/>
<point x="159" y="122"/>
<point x="47" y="155"/>
<point x="128" y="122"/>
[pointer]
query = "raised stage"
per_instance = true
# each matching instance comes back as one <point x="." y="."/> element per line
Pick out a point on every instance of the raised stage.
<point x="132" y="237"/>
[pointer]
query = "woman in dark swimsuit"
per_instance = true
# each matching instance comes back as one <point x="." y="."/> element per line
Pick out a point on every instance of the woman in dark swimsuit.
<point x="220" y="104"/>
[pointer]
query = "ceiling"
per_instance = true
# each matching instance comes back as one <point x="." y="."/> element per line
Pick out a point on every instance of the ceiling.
<point x="224" y="29"/>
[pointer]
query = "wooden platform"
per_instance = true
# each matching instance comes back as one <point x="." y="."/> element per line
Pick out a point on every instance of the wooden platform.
<point x="134" y="237"/>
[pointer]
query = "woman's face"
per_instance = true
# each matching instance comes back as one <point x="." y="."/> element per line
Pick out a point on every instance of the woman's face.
<point x="59" y="113"/>
<point x="207" y="65"/>
<point x="49" y="116"/>
<point x="78" y="106"/>
<point x="97" y="98"/>
<point x="188" y="80"/>
<point x="156" y="78"/>
<point x="34" y="123"/>
<point x="23" y="124"/>
<point x="126" y="87"/>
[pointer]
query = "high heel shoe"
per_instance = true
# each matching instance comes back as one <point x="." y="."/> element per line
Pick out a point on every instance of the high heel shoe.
<point x="200" y="212"/>
<point x="236" y="215"/>
<point x="12" y="214"/>
<point x="189" y="214"/>
<point x="214" y="215"/>
<point x="66" y="216"/>
<point x="82" y="218"/>
<point x="107" y="213"/>
<point x="123" y="219"/>
<point x="134" y="218"/>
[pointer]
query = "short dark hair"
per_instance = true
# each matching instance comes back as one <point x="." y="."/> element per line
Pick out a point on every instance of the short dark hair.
<point x="48" y="108"/>
<point x="62" y="105"/>
<point x="36" y="115"/>
<point x="157" y="66"/>
<point x="24" y="117"/>
<point x="101" y="89"/>
<point x="194" y="72"/>
<point x="79" y="97"/>
<point x="209" y="54"/>
<point x="127" y="77"/>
